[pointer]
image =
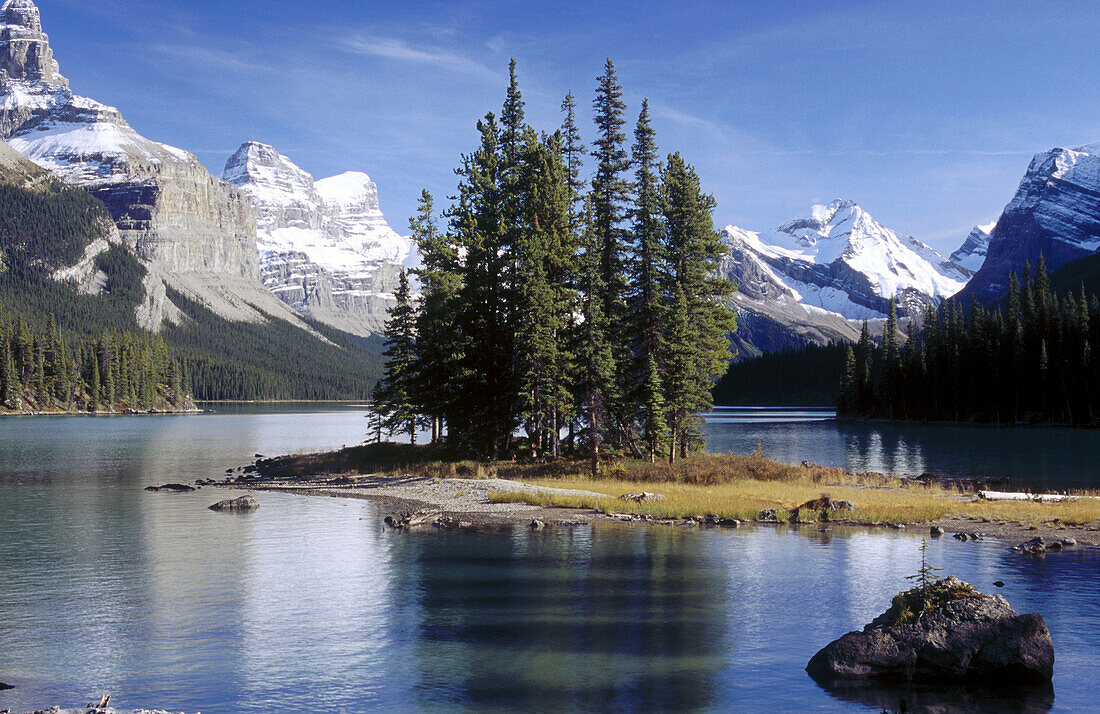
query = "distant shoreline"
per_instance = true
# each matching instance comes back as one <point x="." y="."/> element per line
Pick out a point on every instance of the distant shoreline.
<point x="81" y="413"/>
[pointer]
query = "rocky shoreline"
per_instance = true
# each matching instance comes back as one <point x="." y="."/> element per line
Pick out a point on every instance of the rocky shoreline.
<point x="466" y="501"/>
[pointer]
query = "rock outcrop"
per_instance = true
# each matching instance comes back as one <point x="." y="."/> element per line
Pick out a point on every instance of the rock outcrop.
<point x="325" y="247"/>
<point x="947" y="633"/>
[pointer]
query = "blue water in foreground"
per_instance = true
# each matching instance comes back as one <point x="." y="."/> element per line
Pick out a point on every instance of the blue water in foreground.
<point x="307" y="605"/>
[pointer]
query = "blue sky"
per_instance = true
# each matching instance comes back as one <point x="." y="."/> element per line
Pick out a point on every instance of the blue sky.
<point x="926" y="113"/>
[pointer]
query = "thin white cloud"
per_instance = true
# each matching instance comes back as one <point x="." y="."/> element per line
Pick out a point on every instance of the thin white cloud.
<point x="213" y="58"/>
<point x="397" y="50"/>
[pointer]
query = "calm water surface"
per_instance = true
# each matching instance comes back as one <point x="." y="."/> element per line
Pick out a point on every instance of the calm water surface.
<point x="306" y="604"/>
<point x="1038" y="458"/>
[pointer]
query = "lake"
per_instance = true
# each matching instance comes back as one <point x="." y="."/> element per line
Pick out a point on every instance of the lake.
<point x="1038" y="458"/>
<point x="307" y="604"/>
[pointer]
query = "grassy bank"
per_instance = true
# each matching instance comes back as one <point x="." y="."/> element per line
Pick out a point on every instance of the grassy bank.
<point x="728" y="486"/>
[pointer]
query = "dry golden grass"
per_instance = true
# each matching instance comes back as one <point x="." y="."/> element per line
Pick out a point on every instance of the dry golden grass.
<point x="745" y="499"/>
<point x="728" y="486"/>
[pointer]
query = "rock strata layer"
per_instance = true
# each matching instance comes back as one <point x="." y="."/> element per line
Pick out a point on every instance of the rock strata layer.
<point x="192" y="229"/>
<point x="325" y="247"/>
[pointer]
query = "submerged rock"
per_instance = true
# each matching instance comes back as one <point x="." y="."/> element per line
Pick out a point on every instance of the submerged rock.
<point x="948" y="632"/>
<point x="244" y="503"/>
<point x="5" y="686"/>
<point x="173" y="487"/>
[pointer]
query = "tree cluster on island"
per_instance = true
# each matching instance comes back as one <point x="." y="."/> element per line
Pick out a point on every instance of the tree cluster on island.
<point x="553" y="304"/>
<point x="1027" y="360"/>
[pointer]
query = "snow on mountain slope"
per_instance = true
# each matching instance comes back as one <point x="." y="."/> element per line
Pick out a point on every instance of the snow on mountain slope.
<point x="1055" y="212"/>
<point x="195" y="232"/>
<point x="971" y="254"/>
<point x="839" y="259"/>
<point x="325" y="247"/>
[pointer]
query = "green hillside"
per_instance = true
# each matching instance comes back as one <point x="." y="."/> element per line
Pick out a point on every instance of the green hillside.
<point x="45" y="225"/>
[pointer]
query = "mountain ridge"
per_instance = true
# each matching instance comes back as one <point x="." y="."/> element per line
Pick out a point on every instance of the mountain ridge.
<point x="325" y="247"/>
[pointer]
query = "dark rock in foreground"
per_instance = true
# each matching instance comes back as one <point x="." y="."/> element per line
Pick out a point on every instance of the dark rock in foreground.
<point x="244" y="503"/>
<point x="173" y="487"/>
<point x="947" y="633"/>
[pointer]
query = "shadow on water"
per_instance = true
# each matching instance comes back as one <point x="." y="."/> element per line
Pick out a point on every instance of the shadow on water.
<point x="943" y="698"/>
<point x="568" y="620"/>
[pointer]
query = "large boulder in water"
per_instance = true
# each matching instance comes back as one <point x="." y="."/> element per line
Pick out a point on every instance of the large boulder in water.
<point x="244" y="503"/>
<point x="946" y="632"/>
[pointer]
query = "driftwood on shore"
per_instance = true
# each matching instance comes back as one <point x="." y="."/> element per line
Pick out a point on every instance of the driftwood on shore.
<point x="1034" y="497"/>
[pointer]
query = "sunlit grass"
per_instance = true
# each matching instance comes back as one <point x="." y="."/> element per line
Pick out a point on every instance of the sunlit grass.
<point x="727" y="486"/>
<point x="745" y="499"/>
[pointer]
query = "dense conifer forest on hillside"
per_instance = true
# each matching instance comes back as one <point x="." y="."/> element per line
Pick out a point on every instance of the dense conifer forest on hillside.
<point x="43" y="369"/>
<point x="48" y="226"/>
<point x="1029" y="360"/>
<point x="807" y="377"/>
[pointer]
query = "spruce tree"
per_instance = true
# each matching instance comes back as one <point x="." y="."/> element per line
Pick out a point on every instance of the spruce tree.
<point x="572" y="150"/>
<point x="891" y="357"/>
<point x="596" y="384"/>
<point x="647" y="304"/>
<point x="701" y="322"/>
<point x="544" y="301"/>
<point x="611" y="193"/>
<point x="848" y="384"/>
<point x="12" y="396"/>
<point x="394" y="398"/>
<point x="438" y="348"/>
<point x="484" y="417"/>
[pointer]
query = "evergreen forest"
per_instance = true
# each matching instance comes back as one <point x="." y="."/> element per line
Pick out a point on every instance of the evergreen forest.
<point x="1028" y="360"/>
<point x="582" y="310"/>
<point x="46" y="226"/>
<point x="42" y="370"/>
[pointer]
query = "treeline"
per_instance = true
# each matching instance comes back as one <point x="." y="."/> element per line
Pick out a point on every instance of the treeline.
<point x="271" y="360"/>
<point x="803" y="377"/>
<point x="1028" y="360"/>
<point x="42" y="371"/>
<point x="554" y="304"/>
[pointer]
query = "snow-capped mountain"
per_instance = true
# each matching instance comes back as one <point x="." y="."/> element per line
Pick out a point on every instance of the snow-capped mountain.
<point x="325" y="247"/>
<point x="195" y="232"/>
<point x="840" y="260"/>
<point x="1055" y="212"/>
<point x="971" y="254"/>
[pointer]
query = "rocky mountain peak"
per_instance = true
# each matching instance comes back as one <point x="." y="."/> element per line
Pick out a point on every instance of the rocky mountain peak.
<point x="25" y="52"/>
<point x="268" y="176"/>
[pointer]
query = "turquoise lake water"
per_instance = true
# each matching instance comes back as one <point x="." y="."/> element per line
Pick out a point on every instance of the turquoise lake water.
<point x="308" y="605"/>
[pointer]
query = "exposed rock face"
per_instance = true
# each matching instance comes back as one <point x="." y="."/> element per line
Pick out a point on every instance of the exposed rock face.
<point x="325" y="247"/>
<point x="813" y="278"/>
<point x="176" y="216"/>
<point x="839" y="259"/>
<point x="968" y="636"/>
<point x="1056" y="212"/>
<point x="972" y="253"/>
